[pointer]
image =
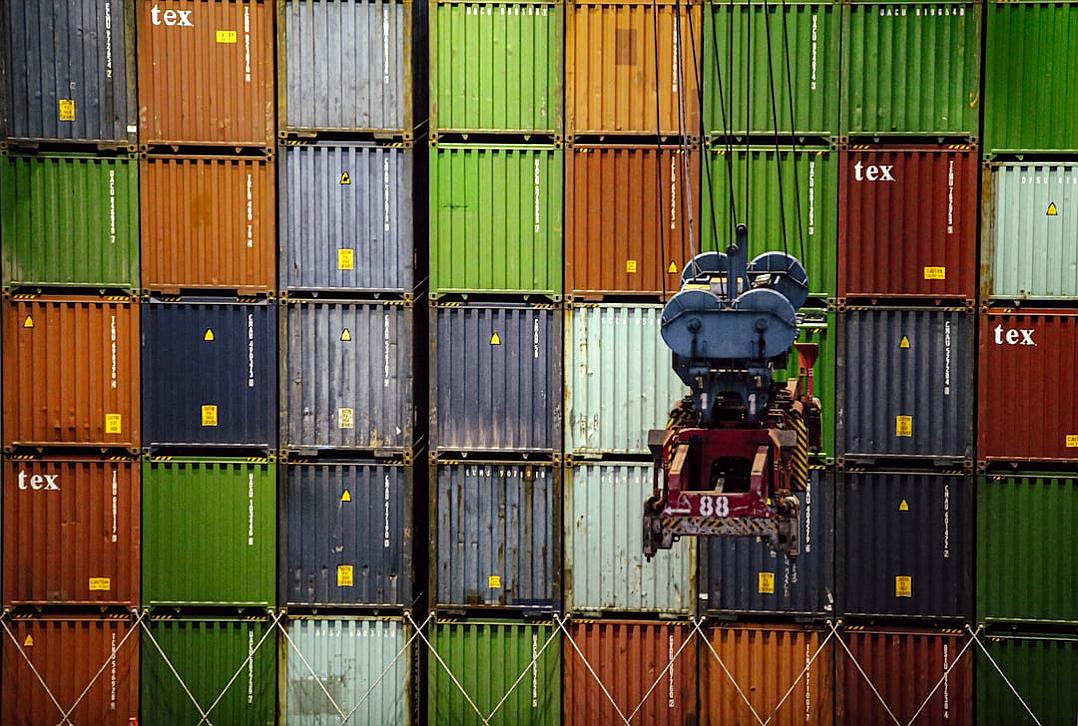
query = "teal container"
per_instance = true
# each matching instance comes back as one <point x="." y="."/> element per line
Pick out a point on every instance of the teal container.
<point x="1043" y="669"/>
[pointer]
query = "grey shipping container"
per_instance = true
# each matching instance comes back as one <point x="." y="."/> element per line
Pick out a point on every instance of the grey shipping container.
<point x="209" y="374"/>
<point x="347" y="374"/>
<point x="347" y="217"/>
<point x="905" y="544"/>
<point x="743" y="575"/>
<point x="69" y="71"/>
<point x="496" y="541"/>
<point x="905" y="384"/>
<point x="348" y="536"/>
<point x="495" y="378"/>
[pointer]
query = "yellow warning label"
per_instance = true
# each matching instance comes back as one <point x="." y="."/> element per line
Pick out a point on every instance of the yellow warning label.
<point x="208" y="335"/>
<point x="904" y="426"/>
<point x="344" y="576"/>
<point x="630" y="265"/>
<point x="114" y="423"/>
<point x="346" y="259"/>
<point x="494" y="582"/>
<point x="935" y="273"/>
<point x="346" y="335"/>
<point x="1052" y="211"/>
<point x="903" y="506"/>
<point x="765" y="583"/>
<point x="672" y="267"/>
<point x="346" y="418"/>
<point x="100" y="583"/>
<point x="904" y="344"/>
<point x="495" y="339"/>
<point x="67" y="109"/>
<point x="346" y="496"/>
<point x="28" y="322"/>
<point x="209" y="415"/>
<point x="29" y="642"/>
<point x="903" y="586"/>
<point x="226" y="36"/>
<point x="1072" y="441"/>
<point x="345" y="178"/>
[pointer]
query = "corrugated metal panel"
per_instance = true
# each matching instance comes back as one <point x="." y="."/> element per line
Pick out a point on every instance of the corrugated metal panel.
<point x="905" y="544"/>
<point x="911" y="69"/>
<point x="71" y="372"/>
<point x="765" y="662"/>
<point x="743" y="575"/>
<point x="627" y="212"/>
<point x="78" y="51"/>
<point x="605" y="569"/>
<point x="610" y="75"/>
<point x="71" y="532"/>
<point x="347" y="376"/>
<point x="628" y="658"/>
<point x="205" y="72"/>
<point x="487" y="658"/>
<point x="504" y="366"/>
<point x="211" y="374"/>
<point x="1029" y="249"/>
<point x="208" y="222"/>
<point x="908" y="222"/>
<point x="818" y="326"/>
<point x="1042" y="669"/>
<point x="70" y="220"/>
<point x="497" y="67"/>
<point x="349" y="534"/>
<point x="740" y="76"/>
<point x="496" y="540"/>
<point x="1027" y="569"/>
<point x="347" y="215"/>
<point x="355" y="659"/>
<point x="620" y="383"/>
<point x="496" y="219"/>
<point x="67" y="653"/>
<point x="210" y="532"/>
<point x="805" y="223"/>
<point x="905" y="383"/>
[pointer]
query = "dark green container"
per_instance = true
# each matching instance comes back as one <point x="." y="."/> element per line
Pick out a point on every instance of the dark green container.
<point x="1043" y="669"/>
<point x="818" y="326"/>
<point x="206" y="653"/>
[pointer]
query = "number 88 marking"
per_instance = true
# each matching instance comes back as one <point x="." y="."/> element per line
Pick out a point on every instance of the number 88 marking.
<point x="714" y="506"/>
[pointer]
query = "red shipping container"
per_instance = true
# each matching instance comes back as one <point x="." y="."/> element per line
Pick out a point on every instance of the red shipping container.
<point x="1028" y="394"/>
<point x="908" y="223"/>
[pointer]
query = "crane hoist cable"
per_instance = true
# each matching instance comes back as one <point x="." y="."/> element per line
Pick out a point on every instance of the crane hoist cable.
<point x="658" y="139"/>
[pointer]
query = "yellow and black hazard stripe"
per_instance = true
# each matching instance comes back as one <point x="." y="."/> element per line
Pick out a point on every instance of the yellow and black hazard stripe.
<point x="800" y="457"/>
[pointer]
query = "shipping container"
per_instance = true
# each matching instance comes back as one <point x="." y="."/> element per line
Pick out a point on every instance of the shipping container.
<point x="510" y="672"/>
<point x="818" y="327"/>
<point x="347" y="217"/>
<point x="495" y="541"/>
<point x="908" y="223"/>
<point x="208" y="222"/>
<point x="1042" y="669"/>
<point x="71" y="532"/>
<point x="362" y="664"/>
<point x="1028" y="402"/>
<point x="605" y="568"/>
<point x="750" y="52"/>
<point x="348" y="536"/>
<point x="500" y="372"/>
<point x="497" y="67"/>
<point x="628" y="658"/>
<point x="228" y="666"/>
<point x="210" y="375"/>
<point x="1026" y="569"/>
<point x="905" y="545"/>
<point x="788" y="199"/>
<point x="1029" y="249"/>
<point x="496" y="219"/>
<point x="210" y="532"/>
<point x="611" y="83"/>
<point x="69" y="72"/>
<point x="69" y="220"/>
<point x="205" y="73"/>
<point x="630" y="219"/>
<point x="766" y="661"/>
<point x="905" y="383"/>
<point x="744" y="575"/>
<point x="71" y="371"/>
<point x="89" y="664"/>
<point x="903" y="666"/>
<point x="911" y="69"/>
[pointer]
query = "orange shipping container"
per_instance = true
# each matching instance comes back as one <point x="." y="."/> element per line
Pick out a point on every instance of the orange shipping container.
<point x="208" y="222"/>
<point x="71" y="372"/>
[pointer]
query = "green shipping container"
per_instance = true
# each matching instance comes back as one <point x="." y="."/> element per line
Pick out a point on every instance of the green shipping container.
<point x="1043" y="669"/>
<point x="496" y="219"/>
<point x="811" y="216"/>
<point x="489" y="658"/>
<point x="818" y="326"/>
<point x="229" y="665"/>
<point x="69" y="220"/>
<point x="209" y="532"/>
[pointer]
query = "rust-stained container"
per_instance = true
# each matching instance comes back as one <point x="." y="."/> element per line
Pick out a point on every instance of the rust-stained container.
<point x="610" y="73"/>
<point x="629" y="657"/>
<point x="766" y="661"/>
<point x="205" y="72"/>
<point x="71" y="372"/>
<point x="628" y="211"/>
<point x="908" y="222"/>
<point x="71" y="532"/>
<point x="1028" y="397"/>
<point x="100" y="655"/>
<point x="208" y="222"/>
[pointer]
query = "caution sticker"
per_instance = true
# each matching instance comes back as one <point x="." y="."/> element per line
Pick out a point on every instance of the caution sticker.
<point x="935" y="273"/>
<point x="345" y="418"/>
<point x="1052" y="210"/>
<point x="67" y="109"/>
<point x="903" y="586"/>
<point x="114" y="423"/>
<point x="904" y="426"/>
<point x="495" y="339"/>
<point x="102" y="584"/>
<point x="494" y="582"/>
<point x="1072" y="441"/>
<point x="346" y="496"/>
<point x="226" y="36"/>
<point x="346" y="259"/>
<point x="28" y="642"/>
<point x="346" y="335"/>
<point x="904" y="344"/>
<point x="672" y="268"/>
<point x="765" y="583"/>
<point x="28" y="322"/>
<point x="903" y="506"/>
<point x="208" y="336"/>
<point x="344" y="576"/>
<point x="209" y="415"/>
<point x="630" y="266"/>
<point x="346" y="179"/>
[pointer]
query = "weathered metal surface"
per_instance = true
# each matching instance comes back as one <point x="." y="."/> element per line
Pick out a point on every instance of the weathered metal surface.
<point x="1043" y="669"/>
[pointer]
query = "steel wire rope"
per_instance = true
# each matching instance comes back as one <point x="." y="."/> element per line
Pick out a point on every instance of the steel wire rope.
<point x="683" y="136"/>
<point x="658" y="140"/>
<point x="793" y="132"/>
<point x="775" y="121"/>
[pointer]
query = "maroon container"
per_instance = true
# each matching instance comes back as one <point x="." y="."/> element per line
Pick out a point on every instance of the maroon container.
<point x="908" y="223"/>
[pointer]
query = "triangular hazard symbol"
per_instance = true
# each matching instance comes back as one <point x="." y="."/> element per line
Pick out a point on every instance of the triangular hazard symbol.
<point x="29" y="641"/>
<point x="208" y="335"/>
<point x="903" y="506"/>
<point x="28" y="323"/>
<point x="904" y="343"/>
<point x="1052" y="211"/>
<point x="345" y="178"/>
<point x="347" y="496"/>
<point x="495" y="339"/>
<point x="346" y="335"/>
<point x="672" y="267"/>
